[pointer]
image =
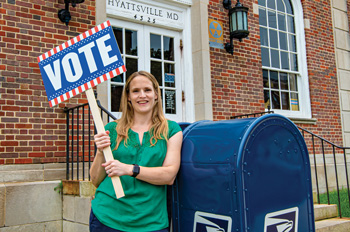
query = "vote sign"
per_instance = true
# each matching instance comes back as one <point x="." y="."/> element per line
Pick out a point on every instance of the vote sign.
<point x="80" y="63"/>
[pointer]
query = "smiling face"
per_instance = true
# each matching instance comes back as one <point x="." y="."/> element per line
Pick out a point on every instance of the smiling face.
<point x="142" y="95"/>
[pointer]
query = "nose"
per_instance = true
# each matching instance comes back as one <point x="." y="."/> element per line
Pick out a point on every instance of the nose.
<point x="142" y="93"/>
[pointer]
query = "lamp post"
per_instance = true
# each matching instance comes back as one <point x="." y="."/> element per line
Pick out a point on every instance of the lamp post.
<point x="64" y="14"/>
<point x="238" y="22"/>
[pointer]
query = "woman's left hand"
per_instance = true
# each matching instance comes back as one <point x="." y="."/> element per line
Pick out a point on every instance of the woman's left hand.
<point x="116" y="168"/>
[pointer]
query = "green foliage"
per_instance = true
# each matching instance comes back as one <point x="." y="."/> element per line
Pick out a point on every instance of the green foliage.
<point x="333" y="199"/>
<point x="59" y="187"/>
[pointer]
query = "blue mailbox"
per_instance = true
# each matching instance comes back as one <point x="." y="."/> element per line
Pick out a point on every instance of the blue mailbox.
<point x="250" y="175"/>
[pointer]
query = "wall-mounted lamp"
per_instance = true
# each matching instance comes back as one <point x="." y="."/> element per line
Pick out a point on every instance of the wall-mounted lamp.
<point x="64" y="14"/>
<point x="238" y="23"/>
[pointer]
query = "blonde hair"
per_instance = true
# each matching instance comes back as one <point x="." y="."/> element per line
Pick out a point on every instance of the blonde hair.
<point x="159" y="128"/>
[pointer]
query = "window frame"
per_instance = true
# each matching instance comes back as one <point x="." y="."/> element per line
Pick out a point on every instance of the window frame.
<point x="302" y="73"/>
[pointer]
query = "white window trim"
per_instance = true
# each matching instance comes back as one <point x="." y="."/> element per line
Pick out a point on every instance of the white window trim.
<point x="303" y="78"/>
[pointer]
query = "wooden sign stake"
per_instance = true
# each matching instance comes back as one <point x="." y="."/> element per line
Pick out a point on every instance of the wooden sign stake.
<point x="107" y="152"/>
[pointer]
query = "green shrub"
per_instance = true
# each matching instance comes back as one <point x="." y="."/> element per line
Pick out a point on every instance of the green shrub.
<point x="333" y="199"/>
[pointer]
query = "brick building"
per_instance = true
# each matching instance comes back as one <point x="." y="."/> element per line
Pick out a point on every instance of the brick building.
<point x="213" y="83"/>
<point x="295" y="61"/>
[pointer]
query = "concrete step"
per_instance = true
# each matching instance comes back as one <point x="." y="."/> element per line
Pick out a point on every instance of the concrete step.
<point x="322" y="211"/>
<point x="333" y="225"/>
<point x="32" y="172"/>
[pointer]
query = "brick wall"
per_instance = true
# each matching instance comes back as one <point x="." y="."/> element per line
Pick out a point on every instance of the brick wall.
<point x="322" y="71"/>
<point x="31" y="131"/>
<point x="237" y="80"/>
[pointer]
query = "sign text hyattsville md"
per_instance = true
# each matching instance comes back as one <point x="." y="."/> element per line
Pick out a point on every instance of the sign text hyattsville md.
<point x="80" y="63"/>
<point x="144" y="9"/>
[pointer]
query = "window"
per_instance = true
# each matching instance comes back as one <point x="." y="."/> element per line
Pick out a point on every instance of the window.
<point x="127" y="43"/>
<point x="283" y="58"/>
<point x="156" y="51"/>
<point x="163" y="68"/>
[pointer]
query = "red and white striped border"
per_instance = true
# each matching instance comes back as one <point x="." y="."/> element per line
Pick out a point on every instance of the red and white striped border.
<point x="74" y="40"/>
<point x="87" y="85"/>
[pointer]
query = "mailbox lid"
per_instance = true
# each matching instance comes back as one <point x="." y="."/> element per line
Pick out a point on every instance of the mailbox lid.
<point x="213" y="142"/>
<point x="206" y="183"/>
<point x="275" y="178"/>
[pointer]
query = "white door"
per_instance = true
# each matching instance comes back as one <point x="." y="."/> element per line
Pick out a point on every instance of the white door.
<point x="155" y="50"/>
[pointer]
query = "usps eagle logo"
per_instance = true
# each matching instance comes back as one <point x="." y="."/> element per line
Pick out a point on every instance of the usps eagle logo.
<point x="282" y="221"/>
<point x="208" y="222"/>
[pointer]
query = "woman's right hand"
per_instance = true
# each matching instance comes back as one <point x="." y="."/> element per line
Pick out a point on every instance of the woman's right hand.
<point x="102" y="140"/>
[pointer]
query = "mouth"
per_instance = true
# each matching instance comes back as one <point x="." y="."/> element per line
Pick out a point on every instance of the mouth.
<point x="142" y="102"/>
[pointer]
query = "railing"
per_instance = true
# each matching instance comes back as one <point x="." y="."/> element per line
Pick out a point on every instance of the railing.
<point x="326" y="155"/>
<point x="80" y="147"/>
<point x="253" y="115"/>
<point x="332" y="157"/>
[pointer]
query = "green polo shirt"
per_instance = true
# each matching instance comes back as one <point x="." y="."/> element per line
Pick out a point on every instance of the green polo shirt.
<point x="144" y="207"/>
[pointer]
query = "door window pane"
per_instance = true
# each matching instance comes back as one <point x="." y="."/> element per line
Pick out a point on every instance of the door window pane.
<point x="131" y="42"/>
<point x="156" y="70"/>
<point x="169" y="75"/>
<point x="168" y="48"/>
<point x="170" y="102"/>
<point x="118" y="79"/>
<point x="118" y="33"/>
<point x="116" y="94"/>
<point x="131" y="66"/>
<point x="156" y="46"/>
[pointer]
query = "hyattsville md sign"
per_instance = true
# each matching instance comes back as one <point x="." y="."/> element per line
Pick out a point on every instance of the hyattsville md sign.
<point x="80" y="64"/>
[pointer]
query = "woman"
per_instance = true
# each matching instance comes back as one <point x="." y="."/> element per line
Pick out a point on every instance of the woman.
<point x="146" y="148"/>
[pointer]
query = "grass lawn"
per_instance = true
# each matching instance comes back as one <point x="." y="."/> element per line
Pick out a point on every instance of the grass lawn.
<point x="333" y="199"/>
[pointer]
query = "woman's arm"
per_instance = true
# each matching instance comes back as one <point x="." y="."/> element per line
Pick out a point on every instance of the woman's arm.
<point x="153" y="175"/>
<point x="97" y="172"/>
